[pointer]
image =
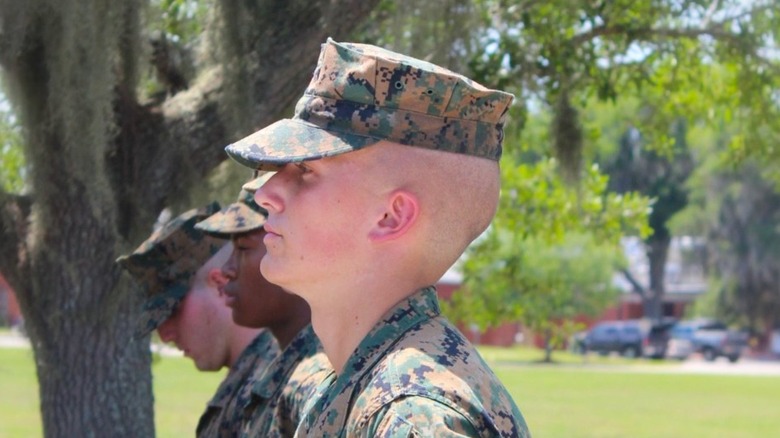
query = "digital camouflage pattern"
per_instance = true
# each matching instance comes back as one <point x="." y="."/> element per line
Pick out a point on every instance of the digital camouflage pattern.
<point x="414" y="374"/>
<point x="166" y="262"/>
<point x="360" y="94"/>
<point x="255" y="183"/>
<point x="279" y="395"/>
<point x="242" y="216"/>
<point x="224" y="413"/>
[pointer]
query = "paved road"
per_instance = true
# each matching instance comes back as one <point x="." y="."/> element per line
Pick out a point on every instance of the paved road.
<point x="744" y="367"/>
<point x="12" y="340"/>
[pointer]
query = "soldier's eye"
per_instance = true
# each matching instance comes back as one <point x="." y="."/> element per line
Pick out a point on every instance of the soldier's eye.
<point x="303" y="168"/>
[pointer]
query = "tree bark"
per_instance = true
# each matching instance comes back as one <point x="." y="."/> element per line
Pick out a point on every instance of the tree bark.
<point x="58" y="245"/>
<point x="657" y="253"/>
<point x="548" y="346"/>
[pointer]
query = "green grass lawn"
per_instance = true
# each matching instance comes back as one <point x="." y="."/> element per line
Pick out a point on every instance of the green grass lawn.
<point x="600" y="398"/>
<point x="180" y="393"/>
<point x="19" y="415"/>
<point x="605" y="397"/>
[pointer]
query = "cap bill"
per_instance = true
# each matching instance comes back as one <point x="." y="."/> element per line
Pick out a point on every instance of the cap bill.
<point x="255" y="184"/>
<point x="235" y="219"/>
<point x="158" y="308"/>
<point x="291" y="141"/>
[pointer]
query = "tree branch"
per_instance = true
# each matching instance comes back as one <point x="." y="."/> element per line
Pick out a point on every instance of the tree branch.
<point x="638" y="288"/>
<point x="713" y="29"/>
<point x="708" y="14"/>
<point x="163" y="149"/>
<point x="648" y="33"/>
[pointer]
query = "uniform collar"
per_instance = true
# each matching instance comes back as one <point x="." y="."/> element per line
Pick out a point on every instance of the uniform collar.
<point x="423" y="305"/>
<point x="420" y="306"/>
<point x="262" y="348"/>
<point x="303" y="345"/>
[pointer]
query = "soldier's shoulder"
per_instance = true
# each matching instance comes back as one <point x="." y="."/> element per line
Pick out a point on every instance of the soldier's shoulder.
<point x="434" y="361"/>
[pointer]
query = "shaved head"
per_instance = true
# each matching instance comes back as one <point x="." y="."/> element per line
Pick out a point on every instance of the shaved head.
<point x="458" y="197"/>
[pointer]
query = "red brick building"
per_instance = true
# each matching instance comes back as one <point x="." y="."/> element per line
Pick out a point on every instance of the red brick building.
<point x="10" y="314"/>
<point x="684" y="283"/>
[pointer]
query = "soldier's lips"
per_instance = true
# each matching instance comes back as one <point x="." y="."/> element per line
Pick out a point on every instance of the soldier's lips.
<point x="270" y="230"/>
<point x="270" y="237"/>
<point x="230" y="296"/>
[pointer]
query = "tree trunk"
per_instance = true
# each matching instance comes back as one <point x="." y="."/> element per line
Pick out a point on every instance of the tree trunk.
<point x="547" y="346"/>
<point x="657" y="253"/>
<point x="94" y="380"/>
<point x="93" y="200"/>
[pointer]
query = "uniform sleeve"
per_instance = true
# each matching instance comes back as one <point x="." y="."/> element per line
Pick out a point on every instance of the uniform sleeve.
<point x="415" y="416"/>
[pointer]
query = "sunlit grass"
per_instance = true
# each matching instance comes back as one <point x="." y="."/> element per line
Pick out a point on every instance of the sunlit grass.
<point x="597" y="397"/>
<point x="180" y="391"/>
<point x="19" y="415"/>
<point x="579" y="402"/>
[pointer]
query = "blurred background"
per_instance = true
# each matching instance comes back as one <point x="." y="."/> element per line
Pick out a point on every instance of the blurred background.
<point x="638" y="230"/>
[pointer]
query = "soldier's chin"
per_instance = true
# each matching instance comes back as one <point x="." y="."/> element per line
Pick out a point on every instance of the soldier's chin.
<point x="271" y="269"/>
<point x="204" y="366"/>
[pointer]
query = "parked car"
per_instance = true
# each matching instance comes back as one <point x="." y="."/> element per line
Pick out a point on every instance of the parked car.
<point x="681" y="341"/>
<point x="657" y="338"/>
<point x="622" y="337"/>
<point x="632" y="338"/>
<point x="710" y="338"/>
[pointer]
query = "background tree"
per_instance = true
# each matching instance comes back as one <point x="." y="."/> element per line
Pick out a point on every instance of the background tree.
<point x="560" y="53"/>
<point x="542" y="225"/>
<point x="662" y="178"/>
<point x="560" y="56"/>
<point x="444" y="32"/>
<point x="737" y="210"/>
<point x="557" y="283"/>
<point x="745" y="248"/>
<point x="105" y="158"/>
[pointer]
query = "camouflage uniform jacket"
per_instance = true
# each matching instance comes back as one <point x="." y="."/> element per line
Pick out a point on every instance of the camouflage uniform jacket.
<point x="279" y="395"/>
<point x="224" y="412"/>
<point x="414" y="374"/>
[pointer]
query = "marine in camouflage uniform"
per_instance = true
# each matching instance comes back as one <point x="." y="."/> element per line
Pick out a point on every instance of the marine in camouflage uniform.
<point x="273" y="407"/>
<point x="413" y="374"/>
<point x="281" y="394"/>
<point x="224" y="414"/>
<point x="165" y="265"/>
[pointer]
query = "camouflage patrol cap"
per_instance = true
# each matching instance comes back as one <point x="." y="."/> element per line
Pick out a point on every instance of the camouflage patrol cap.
<point x="166" y="263"/>
<point x="242" y="216"/>
<point x="361" y="94"/>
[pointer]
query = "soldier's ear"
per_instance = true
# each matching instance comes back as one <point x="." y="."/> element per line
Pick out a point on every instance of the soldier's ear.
<point x="216" y="278"/>
<point x="400" y="214"/>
